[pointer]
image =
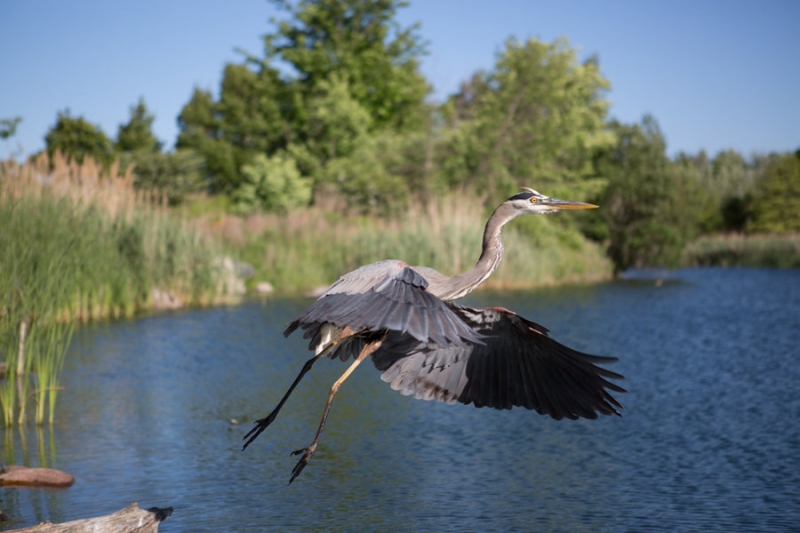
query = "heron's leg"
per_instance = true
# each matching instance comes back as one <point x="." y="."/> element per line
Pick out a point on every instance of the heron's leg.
<point x="309" y="451"/>
<point x="262" y="423"/>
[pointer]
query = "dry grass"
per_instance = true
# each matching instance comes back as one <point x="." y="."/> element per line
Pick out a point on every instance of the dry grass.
<point x="310" y="247"/>
<point x="83" y="184"/>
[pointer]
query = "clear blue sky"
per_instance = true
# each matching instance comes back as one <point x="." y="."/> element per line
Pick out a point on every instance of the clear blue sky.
<point x="716" y="74"/>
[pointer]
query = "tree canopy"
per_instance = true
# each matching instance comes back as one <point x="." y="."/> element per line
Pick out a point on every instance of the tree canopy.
<point x="77" y="138"/>
<point x="8" y="127"/>
<point x="777" y="201"/>
<point x="650" y="208"/>
<point x="332" y="72"/>
<point x="137" y="133"/>
<point x="537" y="117"/>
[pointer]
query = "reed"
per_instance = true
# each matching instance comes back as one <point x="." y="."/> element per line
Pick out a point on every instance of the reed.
<point x="80" y="244"/>
<point x="307" y="248"/>
<point x="756" y="250"/>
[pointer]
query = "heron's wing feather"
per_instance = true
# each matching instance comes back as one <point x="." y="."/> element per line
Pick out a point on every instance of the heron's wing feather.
<point x="385" y="296"/>
<point x="517" y="364"/>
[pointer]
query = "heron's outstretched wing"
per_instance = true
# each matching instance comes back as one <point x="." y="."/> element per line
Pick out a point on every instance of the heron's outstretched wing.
<point x="517" y="364"/>
<point x="384" y="296"/>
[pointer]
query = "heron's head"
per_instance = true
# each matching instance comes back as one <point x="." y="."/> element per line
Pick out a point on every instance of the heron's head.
<point x="530" y="202"/>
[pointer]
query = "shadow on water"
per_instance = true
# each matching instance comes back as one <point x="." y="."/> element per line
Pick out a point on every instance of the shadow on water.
<point x="709" y="440"/>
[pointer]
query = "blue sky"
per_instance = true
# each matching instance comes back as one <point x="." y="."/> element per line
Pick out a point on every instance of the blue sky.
<point x="715" y="74"/>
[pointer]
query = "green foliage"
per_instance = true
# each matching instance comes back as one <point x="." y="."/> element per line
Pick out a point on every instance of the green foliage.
<point x="8" y="127"/>
<point x="776" y="204"/>
<point x="201" y="131"/>
<point x="651" y="208"/>
<point x="728" y="181"/>
<point x="353" y="74"/>
<point x="60" y="262"/>
<point x="77" y="138"/>
<point x="359" y="43"/>
<point x="137" y="134"/>
<point x="754" y="250"/>
<point x="251" y="116"/>
<point x="176" y="174"/>
<point x="300" y="250"/>
<point x="337" y="123"/>
<point x="535" y="119"/>
<point x="371" y="178"/>
<point x="731" y="175"/>
<point x="271" y="183"/>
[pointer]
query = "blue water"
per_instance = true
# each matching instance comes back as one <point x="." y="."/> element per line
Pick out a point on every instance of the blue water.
<point x="709" y="440"/>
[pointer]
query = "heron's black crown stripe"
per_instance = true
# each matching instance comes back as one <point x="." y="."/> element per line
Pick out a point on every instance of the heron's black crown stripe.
<point x="522" y="196"/>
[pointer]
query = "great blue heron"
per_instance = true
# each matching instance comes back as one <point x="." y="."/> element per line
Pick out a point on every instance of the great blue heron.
<point x="429" y="347"/>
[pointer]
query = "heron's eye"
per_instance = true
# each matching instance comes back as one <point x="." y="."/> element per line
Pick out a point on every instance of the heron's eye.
<point x="533" y="199"/>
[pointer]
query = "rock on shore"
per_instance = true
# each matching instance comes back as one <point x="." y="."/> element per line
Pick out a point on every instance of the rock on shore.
<point x="34" y="477"/>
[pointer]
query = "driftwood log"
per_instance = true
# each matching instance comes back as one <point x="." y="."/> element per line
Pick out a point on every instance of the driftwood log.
<point x="129" y="520"/>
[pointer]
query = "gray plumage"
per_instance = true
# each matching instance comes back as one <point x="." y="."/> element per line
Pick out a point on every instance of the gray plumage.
<point x="516" y="365"/>
<point x="430" y="348"/>
<point x="387" y="295"/>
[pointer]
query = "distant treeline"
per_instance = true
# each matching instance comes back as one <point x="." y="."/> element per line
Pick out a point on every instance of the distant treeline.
<point x="335" y="113"/>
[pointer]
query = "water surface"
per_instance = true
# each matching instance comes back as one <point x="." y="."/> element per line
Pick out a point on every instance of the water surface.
<point x="709" y="440"/>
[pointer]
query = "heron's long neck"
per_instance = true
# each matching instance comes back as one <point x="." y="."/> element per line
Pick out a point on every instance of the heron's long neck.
<point x="491" y="255"/>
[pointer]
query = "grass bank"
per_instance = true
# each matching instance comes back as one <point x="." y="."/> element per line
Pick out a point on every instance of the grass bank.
<point x="307" y="248"/>
<point x="757" y="250"/>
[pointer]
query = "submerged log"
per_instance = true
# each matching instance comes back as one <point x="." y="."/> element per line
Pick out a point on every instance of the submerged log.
<point x="129" y="520"/>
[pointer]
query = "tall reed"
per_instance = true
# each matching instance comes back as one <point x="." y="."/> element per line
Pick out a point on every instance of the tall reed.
<point x="310" y="247"/>
<point x="756" y="250"/>
<point x="75" y="244"/>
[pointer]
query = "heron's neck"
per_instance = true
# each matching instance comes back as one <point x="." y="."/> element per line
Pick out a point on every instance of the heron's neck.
<point x="491" y="255"/>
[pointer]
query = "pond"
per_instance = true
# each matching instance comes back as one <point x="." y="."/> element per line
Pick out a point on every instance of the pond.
<point x="709" y="439"/>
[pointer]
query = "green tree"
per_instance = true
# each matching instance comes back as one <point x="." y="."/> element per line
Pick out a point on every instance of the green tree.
<point x="272" y="183"/>
<point x="534" y="120"/>
<point x="175" y="173"/>
<point x="777" y="199"/>
<point x="731" y="175"/>
<point x="8" y="127"/>
<point x="201" y="131"/>
<point x="373" y="179"/>
<point x="332" y="73"/>
<point x="651" y="208"/>
<point x="77" y="138"/>
<point x="252" y="116"/>
<point x="137" y="133"/>
<point x="359" y="43"/>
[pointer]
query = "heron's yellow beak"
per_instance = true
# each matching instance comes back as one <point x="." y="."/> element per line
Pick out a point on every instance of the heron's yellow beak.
<point x="568" y="204"/>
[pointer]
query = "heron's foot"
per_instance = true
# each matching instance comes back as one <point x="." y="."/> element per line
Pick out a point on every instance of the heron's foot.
<point x="260" y="426"/>
<point x="301" y="464"/>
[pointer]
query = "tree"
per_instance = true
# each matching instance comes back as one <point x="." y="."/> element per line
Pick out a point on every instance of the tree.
<point x="8" y="127"/>
<point x="137" y="133"/>
<point x="360" y="44"/>
<point x="777" y="199"/>
<point x="175" y="174"/>
<point x="251" y="116"/>
<point x="77" y="138"/>
<point x="271" y="183"/>
<point x="332" y="73"/>
<point x="535" y="118"/>
<point x="650" y="208"/>
<point x="201" y="131"/>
